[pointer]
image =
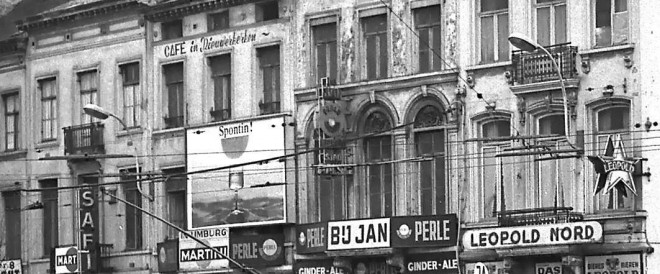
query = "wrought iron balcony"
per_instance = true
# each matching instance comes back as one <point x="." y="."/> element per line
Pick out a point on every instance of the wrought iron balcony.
<point x="84" y="139"/>
<point x="537" y="67"/>
<point x="538" y="216"/>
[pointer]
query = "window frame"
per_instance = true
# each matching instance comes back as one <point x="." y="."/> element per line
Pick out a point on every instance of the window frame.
<point x="133" y="120"/>
<point x="211" y="87"/>
<point x="363" y="61"/>
<point x="496" y="47"/>
<point x="134" y="238"/>
<point x="263" y="6"/>
<point x="165" y="28"/>
<point x="271" y="106"/>
<point x="13" y="229"/>
<point x="170" y="190"/>
<point x="54" y="108"/>
<point x="366" y="185"/>
<point x="211" y="20"/>
<point x="15" y="135"/>
<point x="52" y="228"/>
<point x="552" y="5"/>
<point x="93" y="92"/>
<point x="417" y="44"/>
<point x="168" y="122"/>
<point x="541" y="167"/>
<point x="594" y="41"/>
<point x="314" y="43"/>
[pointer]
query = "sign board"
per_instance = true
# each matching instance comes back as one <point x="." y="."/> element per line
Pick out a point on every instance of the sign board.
<point x="417" y="231"/>
<point x="549" y="268"/>
<point x="195" y="256"/>
<point x="317" y="267"/>
<point x="311" y="238"/>
<point x="357" y="234"/>
<point x="11" y="267"/>
<point x="440" y="263"/>
<point x="168" y="261"/>
<point x="260" y="249"/>
<point x="551" y="234"/>
<point x="260" y="199"/>
<point x="89" y="224"/>
<point x="617" y="263"/>
<point x="335" y="158"/>
<point x="66" y="259"/>
<point x="485" y="268"/>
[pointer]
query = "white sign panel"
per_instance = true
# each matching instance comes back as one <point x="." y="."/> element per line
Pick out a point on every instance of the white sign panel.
<point x="195" y="256"/>
<point x="370" y="233"/>
<point x="257" y="195"/>
<point x="552" y="234"/>
<point x="549" y="268"/>
<point x="11" y="267"/>
<point x="621" y="263"/>
<point x="66" y="259"/>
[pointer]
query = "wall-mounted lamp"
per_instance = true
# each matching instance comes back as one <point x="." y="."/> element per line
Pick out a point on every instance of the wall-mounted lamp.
<point x="608" y="91"/>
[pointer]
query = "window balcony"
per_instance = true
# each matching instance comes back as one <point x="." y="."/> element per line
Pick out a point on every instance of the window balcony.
<point x="84" y="139"/>
<point x="537" y="67"/>
<point x="538" y="216"/>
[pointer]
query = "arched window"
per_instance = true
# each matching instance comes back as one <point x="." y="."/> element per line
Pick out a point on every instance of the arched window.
<point x="609" y="121"/>
<point x="430" y="143"/>
<point x="378" y="156"/>
<point x="495" y="172"/>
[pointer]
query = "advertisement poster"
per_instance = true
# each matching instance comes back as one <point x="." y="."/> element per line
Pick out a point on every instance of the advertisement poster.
<point x="195" y="256"/>
<point x="257" y="250"/>
<point x="439" y="263"/>
<point x="416" y="231"/>
<point x="245" y="195"/>
<point x="617" y="263"/>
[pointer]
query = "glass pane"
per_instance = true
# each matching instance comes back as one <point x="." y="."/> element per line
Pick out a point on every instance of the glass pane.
<point x="325" y="33"/>
<point x="614" y="119"/>
<point x="374" y="190"/>
<point x="551" y="124"/>
<point x="173" y="73"/>
<point x="503" y="37"/>
<point x="220" y="65"/>
<point x="436" y="45"/>
<point x="427" y="16"/>
<point x="603" y="13"/>
<point x="321" y="61"/>
<point x="382" y="42"/>
<point x="543" y="26"/>
<point x="332" y="61"/>
<point x="491" y="5"/>
<point x="493" y="129"/>
<point x="489" y="185"/>
<point x="620" y="5"/>
<point x="424" y="51"/>
<point x="372" y="57"/>
<point x="487" y="40"/>
<point x="374" y="24"/>
<point x="560" y="24"/>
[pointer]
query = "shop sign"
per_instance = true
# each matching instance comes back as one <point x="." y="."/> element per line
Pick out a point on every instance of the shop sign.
<point x="358" y="234"/>
<point x="167" y="256"/>
<point x="416" y="231"/>
<point x="311" y="238"/>
<point x="261" y="249"/>
<point x="615" y="170"/>
<point x="441" y="263"/>
<point x="89" y="224"/>
<point x="485" y="268"/>
<point x="66" y="259"/>
<point x="613" y="264"/>
<point x="195" y="256"/>
<point x="317" y="267"/>
<point x="552" y="234"/>
<point x="10" y="267"/>
<point x="549" y="268"/>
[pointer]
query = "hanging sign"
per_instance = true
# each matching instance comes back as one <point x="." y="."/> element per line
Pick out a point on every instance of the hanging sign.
<point x="617" y="263"/>
<point x="614" y="168"/>
<point x="552" y="234"/>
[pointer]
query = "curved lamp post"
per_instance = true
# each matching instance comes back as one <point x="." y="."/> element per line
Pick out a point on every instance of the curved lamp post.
<point x="524" y="43"/>
<point x="100" y="113"/>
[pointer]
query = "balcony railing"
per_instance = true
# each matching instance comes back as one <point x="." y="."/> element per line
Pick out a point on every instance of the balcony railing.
<point x="537" y="67"/>
<point x="538" y="216"/>
<point x="84" y="139"/>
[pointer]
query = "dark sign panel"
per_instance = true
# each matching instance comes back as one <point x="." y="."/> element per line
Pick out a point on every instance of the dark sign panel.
<point x="89" y="222"/>
<point x="441" y="263"/>
<point x="168" y="261"/>
<point x="257" y="250"/>
<point x="317" y="267"/>
<point x="416" y="231"/>
<point x="311" y="238"/>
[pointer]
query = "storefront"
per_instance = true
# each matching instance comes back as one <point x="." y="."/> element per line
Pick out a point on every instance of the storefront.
<point x="411" y="244"/>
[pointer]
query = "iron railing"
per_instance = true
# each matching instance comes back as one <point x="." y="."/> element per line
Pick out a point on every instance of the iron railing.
<point x="84" y="139"/>
<point x="538" y="216"/>
<point x="537" y="67"/>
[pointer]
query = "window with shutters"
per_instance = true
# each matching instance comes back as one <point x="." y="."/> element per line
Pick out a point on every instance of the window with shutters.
<point x="172" y="29"/>
<point x="131" y="94"/>
<point x="174" y="95"/>
<point x="133" y="216"/>
<point x="88" y="87"/>
<point x="221" y="81"/>
<point x="48" y="93"/>
<point x="325" y="52"/>
<point x="493" y="30"/>
<point x="269" y="70"/>
<point x="175" y="188"/>
<point x="12" y="203"/>
<point x="374" y="43"/>
<point x="550" y="22"/>
<point x="11" y="106"/>
<point x="611" y="22"/>
<point x="428" y="25"/>
<point x="50" y="230"/>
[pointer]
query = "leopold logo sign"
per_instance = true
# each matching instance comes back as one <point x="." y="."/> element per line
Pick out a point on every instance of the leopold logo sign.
<point x="568" y="233"/>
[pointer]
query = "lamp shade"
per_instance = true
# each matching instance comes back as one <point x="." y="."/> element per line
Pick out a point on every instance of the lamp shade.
<point x="236" y="180"/>
<point x="96" y="111"/>
<point x="523" y="42"/>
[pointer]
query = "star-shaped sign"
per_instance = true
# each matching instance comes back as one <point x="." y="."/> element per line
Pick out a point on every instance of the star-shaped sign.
<point x="614" y="169"/>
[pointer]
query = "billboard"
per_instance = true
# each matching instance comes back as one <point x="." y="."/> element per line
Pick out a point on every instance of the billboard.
<point x="246" y="194"/>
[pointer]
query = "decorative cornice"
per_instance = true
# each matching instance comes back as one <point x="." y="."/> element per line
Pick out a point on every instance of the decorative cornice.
<point x="180" y="8"/>
<point x="96" y="44"/>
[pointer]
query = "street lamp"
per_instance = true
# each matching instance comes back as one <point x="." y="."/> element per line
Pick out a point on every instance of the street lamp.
<point x="524" y="43"/>
<point x="100" y="113"/>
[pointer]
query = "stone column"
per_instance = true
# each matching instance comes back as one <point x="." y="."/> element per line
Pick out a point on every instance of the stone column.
<point x="401" y="171"/>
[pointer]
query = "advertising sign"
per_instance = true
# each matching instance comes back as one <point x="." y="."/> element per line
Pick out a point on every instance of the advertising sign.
<point x="11" y="267"/>
<point x="549" y="268"/>
<point x="355" y="234"/>
<point x="317" y="267"/>
<point x="617" y="263"/>
<point x="257" y="194"/>
<point x="89" y="223"/>
<point x="168" y="261"/>
<point x="311" y="238"/>
<point x="485" y="268"/>
<point x="551" y="234"/>
<point x="195" y="256"/>
<point x="67" y="259"/>
<point x="257" y="250"/>
<point x="440" y="263"/>
<point x="416" y="231"/>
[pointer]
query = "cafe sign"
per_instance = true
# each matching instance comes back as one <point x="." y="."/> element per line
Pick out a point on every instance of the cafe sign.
<point x="617" y="263"/>
<point x="525" y="236"/>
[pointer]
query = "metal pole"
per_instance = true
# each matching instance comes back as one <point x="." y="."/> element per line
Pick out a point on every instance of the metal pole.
<point x="563" y="92"/>
<point x="243" y="267"/>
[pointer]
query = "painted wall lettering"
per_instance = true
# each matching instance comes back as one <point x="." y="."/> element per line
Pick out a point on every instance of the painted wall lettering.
<point x="207" y="43"/>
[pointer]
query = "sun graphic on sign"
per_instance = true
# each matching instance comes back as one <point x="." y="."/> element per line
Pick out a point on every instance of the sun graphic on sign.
<point x="614" y="168"/>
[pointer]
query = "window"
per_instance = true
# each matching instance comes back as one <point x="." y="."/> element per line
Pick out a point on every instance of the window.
<point x="130" y="78"/>
<point x="429" y="29"/>
<point x="221" y="80"/>
<point x="496" y="188"/>
<point x="12" y="219"/>
<point x="611" y="22"/>
<point x="268" y="10"/>
<point x="48" y="91"/>
<point x="88" y="87"/>
<point x="173" y="74"/>
<point x="430" y="143"/>
<point x="374" y="30"/>
<point x="494" y="30"/>
<point x="331" y="190"/>
<point x="175" y="186"/>
<point x="550" y="22"/>
<point x="325" y="48"/>
<point x="615" y="119"/>
<point x="377" y="153"/>
<point x="552" y="184"/>
<point x="218" y="21"/>
<point x="172" y="29"/>
<point x="12" y="121"/>
<point x="50" y="229"/>
<point x="133" y="216"/>
<point x="269" y="68"/>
